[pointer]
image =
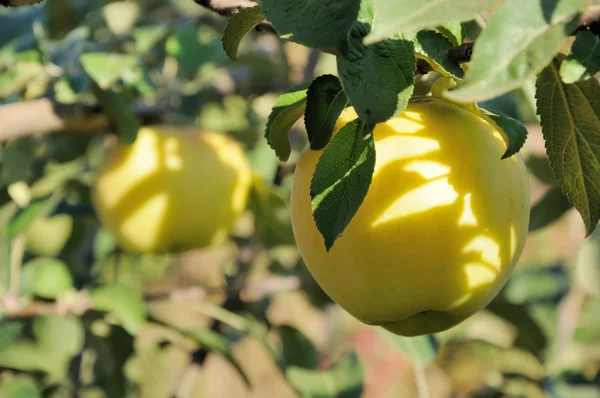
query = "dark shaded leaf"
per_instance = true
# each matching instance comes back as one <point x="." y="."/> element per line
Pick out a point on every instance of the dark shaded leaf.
<point x="323" y="25"/>
<point x="325" y="102"/>
<point x="341" y="180"/>
<point x="584" y="60"/>
<point x="550" y="208"/>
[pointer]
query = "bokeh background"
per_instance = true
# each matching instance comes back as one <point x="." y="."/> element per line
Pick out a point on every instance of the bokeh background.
<point x="81" y="317"/>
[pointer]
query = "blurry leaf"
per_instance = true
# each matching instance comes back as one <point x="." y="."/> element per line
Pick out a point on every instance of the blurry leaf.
<point x="57" y="341"/>
<point x="104" y="245"/>
<point x="313" y="23"/>
<point x="46" y="277"/>
<point x="146" y="37"/>
<point x="10" y="331"/>
<point x="61" y="17"/>
<point x="24" y="218"/>
<point x="107" y="68"/>
<point x="584" y="60"/>
<point x="112" y="352"/>
<point x="121" y="16"/>
<point x="530" y="335"/>
<point x="344" y="380"/>
<point x="123" y="302"/>
<point x="377" y="79"/>
<point x="412" y="15"/>
<point x="513" y="129"/>
<point x="587" y="265"/>
<point x="217" y="343"/>
<point x="17" y="78"/>
<point x="118" y="108"/>
<point x="20" y="387"/>
<point x="17" y="157"/>
<point x="536" y="284"/>
<point x="238" y="26"/>
<point x="341" y="180"/>
<point x="271" y="215"/>
<point x="231" y="115"/>
<point x="287" y="110"/>
<point x="550" y="208"/>
<point x="324" y="103"/>
<point x="56" y="176"/>
<point x="454" y="31"/>
<point x="420" y="350"/>
<point x="588" y="329"/>
<point x="576" y="391"/>
<point x="5" y="249"/>
<point x="434" y="48"/>
<point x="298" y="350"/>
<point x="570" y="118"/>
<point x="193" y="47"/>
<point x="520" y="40"/>
<point x="539" y="166"/>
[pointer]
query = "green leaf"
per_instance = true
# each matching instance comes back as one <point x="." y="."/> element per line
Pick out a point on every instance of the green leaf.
<point x="24" y="218"/>
<point x="514" y="129"/>
<point x="325" y="102"/>
<point x="570" y="119"/>
<point x="118" y="108"/>
<point x="341" y="180"/>
<point x="217" y="343"/>
<point x="422" y="350"/>
<point x="520" y="40"/>
<point x="46" y="277"/>
<point x="271" y="214"/>
<point x="322" y="25"/>
<point x="17" y="157"/>
<point x="107" y="68"/>
<point x="584" y="60"/>
<point x="434" y="48"/>
<point x="530" y="335"/>
<point x="124" y="303"/>
<point x="146" y="37"/>
<point x="454" y="31"/>
<point x="345" y="380"/>
<point x="237" y="27"/>
<point x="550" y="208"/>
<point x="20" y="387"/>
<point x="413" y="15"/>
<point x="539" y="166"/>
<point x="298" y="350"/>
<point x="587" y="265"/>
<point x="287" y="110"/>
<point x="57" y="341"/>
<point x="378" y="79"/>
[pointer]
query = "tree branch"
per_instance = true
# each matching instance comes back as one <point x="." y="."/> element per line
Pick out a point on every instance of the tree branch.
<point x="43" y="116"/>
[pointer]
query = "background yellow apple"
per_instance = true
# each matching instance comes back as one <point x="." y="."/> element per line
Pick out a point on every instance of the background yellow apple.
<point x="173" y="189"/>
<point x="442" y="226"/>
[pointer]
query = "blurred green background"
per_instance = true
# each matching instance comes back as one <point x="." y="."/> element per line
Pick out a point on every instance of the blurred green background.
<point x="80" y="317"/>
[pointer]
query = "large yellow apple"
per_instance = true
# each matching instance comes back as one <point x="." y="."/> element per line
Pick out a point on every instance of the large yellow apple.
<point x="440" y="230"/>
<point x="173" y="189"/>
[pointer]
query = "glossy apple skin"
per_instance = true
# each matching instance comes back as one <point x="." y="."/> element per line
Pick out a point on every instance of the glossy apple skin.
<point x="442" y="226"/>
<point x="173" y="189"/>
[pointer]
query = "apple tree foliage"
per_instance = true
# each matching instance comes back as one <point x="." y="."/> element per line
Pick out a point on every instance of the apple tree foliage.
<point x="81" y="317"/>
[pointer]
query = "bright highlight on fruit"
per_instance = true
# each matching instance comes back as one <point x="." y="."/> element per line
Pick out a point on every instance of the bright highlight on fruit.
<point x="173" y="189"/>
<point x="440" y="230"/>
